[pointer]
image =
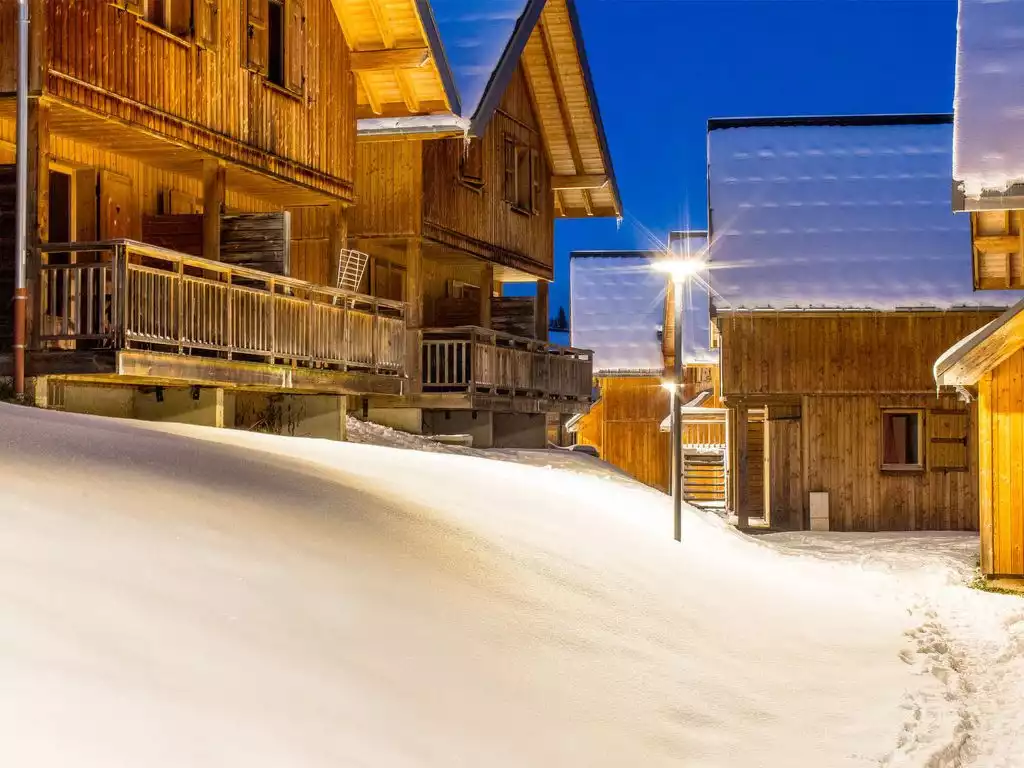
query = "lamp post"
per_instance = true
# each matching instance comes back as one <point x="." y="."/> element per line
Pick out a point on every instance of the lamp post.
<point x="680" y="270"/>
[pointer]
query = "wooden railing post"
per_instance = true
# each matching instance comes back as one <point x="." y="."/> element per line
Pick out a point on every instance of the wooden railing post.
<point x="229" y="325"/>
<point x="272" y="320"/>
<point x="121" y="257"/>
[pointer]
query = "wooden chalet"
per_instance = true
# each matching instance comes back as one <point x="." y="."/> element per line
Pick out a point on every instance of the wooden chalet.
<point x="454" y="205"/>
<point x="987" y="367"/>
<point x="838" y="275"/>
<point x="621" y="307"/>
<point x="191" y="175"/>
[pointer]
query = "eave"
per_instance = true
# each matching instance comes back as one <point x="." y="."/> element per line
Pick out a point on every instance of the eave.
<point x="397" y="60"/>
<point x="967" y="361"/>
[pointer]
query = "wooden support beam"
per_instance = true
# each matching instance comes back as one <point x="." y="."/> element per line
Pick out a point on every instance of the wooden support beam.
<point x="394" y="58"/>
<point x="541" y="310"/>
<point x="563" y="108"/>
<point x="409" y="96"/>
<point x="386" y="35"/>
<point x="742" y="468"/>
<point x="486" y="294"/>
<point x="214" y="192"/>
<point x="371" y="95"/>
<point x="997" y="244"/>
<point x="585" y="181"/>
<point x="337" y="239"/>
<point x="414" y="319"/>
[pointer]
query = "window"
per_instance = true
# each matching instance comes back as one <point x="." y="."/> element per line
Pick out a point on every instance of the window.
<point x="522" y="172"/>
<point x="471" y="164"/>
<point x="173" y="15"/>
<point x="902" y="440"/>
<point x="275" y="42"/>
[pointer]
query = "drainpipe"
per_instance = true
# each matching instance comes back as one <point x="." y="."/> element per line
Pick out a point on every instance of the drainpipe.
<point x="21" y="224"/>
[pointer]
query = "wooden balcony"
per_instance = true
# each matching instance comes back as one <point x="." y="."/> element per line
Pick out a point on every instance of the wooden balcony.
<point x="138" y="312"/>
<point x="495" y="371"/>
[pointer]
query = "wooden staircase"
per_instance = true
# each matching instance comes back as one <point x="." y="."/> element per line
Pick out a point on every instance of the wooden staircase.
<point x="704" y="478"/>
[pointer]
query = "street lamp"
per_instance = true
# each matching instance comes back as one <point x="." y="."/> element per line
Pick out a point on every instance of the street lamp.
<point x="679" y="270"/>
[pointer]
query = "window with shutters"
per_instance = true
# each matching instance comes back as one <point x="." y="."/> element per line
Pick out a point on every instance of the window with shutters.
<point x="471" y="164"/>
<point x="902" y="439"/>
<point x="276" y="46"/>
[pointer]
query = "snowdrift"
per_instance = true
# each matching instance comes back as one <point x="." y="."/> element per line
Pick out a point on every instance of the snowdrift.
<point x="175" y="596"/>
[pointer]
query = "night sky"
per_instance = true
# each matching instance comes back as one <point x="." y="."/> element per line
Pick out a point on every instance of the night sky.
<point x="663" y="67"/>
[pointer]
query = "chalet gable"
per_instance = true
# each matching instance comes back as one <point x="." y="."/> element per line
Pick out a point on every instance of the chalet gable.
<point x="481" y="46"/>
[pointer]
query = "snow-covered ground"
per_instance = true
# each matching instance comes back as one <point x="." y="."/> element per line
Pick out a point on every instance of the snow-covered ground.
<point x="175" y="596"/>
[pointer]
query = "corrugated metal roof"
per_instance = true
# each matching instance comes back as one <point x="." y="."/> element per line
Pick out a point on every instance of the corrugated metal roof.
<point x="833" y="216"/>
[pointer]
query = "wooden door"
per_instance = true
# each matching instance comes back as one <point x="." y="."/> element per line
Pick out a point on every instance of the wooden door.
<point x="784" y="466"/>
<point x="117" y="210"/>
<point x="8" y="201"/>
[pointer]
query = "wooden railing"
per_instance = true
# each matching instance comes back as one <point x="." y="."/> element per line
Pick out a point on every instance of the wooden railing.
<point x="704" y="428"/>
<point x="122" y="294"/>
<point x="476" y="360"/>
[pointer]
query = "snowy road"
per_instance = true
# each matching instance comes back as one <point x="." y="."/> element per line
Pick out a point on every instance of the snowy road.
<point x="177" y="596"/>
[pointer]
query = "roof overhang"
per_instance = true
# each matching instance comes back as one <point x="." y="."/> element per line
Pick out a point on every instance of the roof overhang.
<point x="967" y="361"/>
<point x="397" y="58"/>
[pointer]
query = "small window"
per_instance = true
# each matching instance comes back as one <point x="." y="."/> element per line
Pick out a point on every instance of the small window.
<point x="275" y="42"/>
<point x="471" y="163"/>
<point x="521" y="165"/>
<point x="173" y="15"/>
<point x="902" y="443"/>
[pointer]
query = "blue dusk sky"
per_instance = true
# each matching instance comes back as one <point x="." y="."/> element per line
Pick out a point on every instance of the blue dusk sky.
<point x="663" y="67"/>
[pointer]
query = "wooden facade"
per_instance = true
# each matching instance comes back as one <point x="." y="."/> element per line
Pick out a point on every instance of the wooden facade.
<point x="989" y="367"/>
<point x="828" y="387"/>
<point x="625" y="428"/>
<point x="222" y="129"/>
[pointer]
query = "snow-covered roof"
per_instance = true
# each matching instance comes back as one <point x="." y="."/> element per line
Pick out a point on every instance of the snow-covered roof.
<point x="476" y="37"/>
<point x="427" y="124"/>
<point x="617" y="308"/>
<point x="988" y="153"/>
<point x="838" y="213"/>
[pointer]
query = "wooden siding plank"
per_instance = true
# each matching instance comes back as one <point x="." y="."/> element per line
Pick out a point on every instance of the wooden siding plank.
<point x="985" y="473"/>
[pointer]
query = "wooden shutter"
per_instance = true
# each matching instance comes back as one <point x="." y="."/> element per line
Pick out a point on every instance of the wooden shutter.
<point x="295" y="45"/>
<point x="178" y="17"/>
<point x="256" y="36"/>
<point x="948" y="443"/>
<point x="523" y="183"/>
<point x="510" y="171"/>
<point x="535" y="178"/>
<point x="206" y="18"/>
<point x="132" y="6"/>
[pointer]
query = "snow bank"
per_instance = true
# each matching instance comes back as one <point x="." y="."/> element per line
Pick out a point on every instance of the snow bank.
<point x="180" y="596"/>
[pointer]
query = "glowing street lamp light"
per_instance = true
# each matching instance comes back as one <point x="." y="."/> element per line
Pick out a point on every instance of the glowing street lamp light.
<point x="679" y="270"/>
